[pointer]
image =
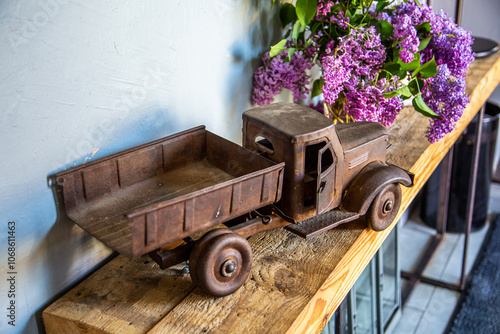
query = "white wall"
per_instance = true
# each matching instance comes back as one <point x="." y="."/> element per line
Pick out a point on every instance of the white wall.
<point x="481" y="17"/>
<point x="81" y="79"/>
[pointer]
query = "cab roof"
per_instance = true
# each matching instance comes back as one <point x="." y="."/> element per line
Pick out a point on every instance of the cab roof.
<point x="298" y="123"/>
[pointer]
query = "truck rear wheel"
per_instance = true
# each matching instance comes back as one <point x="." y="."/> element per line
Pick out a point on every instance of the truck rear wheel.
<point x="220" y="262"/>
<point x="384" y="207"/>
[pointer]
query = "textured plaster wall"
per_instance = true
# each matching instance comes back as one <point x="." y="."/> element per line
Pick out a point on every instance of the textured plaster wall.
<point x="483" y="19"/>
<point x="81" y="80"/>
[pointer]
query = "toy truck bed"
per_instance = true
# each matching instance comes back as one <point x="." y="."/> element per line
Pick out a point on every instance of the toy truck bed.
<point x="143" y="198"/>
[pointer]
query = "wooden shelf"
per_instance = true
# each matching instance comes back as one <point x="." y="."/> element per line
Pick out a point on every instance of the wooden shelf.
<point x="295" y="285"/>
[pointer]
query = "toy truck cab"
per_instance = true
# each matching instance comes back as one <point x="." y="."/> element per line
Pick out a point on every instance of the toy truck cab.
<point x="309" y="145"/>
<point x="326" y="166"/>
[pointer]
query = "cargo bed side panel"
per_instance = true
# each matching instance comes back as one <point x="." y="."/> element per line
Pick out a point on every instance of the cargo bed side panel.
<point x="140" y="199"/>
<point x="177" y="219"/>
<point x="102" y="177"/>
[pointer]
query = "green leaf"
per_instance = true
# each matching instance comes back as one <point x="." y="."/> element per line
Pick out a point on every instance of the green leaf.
<point x="356" y="19"/>
<point x="384" y="28"/>
<point x="315" y="26"/>
<point x="350" y="13"/>
<point x="423" y="43"/>
<point x="277" y="48"/>
<point x="337" y="8"/>
<point x="427" y="70"/>
<point x="317" y="87"/>
<point x="296" y="30"/>
<point x="291" y="52"/>
<point x="403" y="91"/>
<point x="418" y="3"/>
<point x="395" y="67"/>
<point x="414" y="85"/>
<point x="367" y="18"/>
<point x="424" y="27"/>
<point x="420" y="106"/>
<point x="381" y="5"/>
<point x="306" y="9"/>
<point x="287" y="14"/>
<point x="388" y="95"/>
<point x="410" y="66"/>
<point x="392" y="68"/>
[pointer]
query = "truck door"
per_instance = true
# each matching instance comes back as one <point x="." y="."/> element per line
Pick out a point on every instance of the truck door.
<point x="326" y="174"/>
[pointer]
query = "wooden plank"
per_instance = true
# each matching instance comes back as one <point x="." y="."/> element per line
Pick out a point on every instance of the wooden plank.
<point x="412" y="152"/>
<point x="125" y="296"/>
<point x="282" y="279"/>
<point x="294" y="286"/>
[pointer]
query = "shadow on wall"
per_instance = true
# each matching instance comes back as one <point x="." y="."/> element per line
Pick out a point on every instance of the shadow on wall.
<point x="66" y="247"/>
<point x="263" y="30"/>
<point x="134" y="127"/>
<point x="72" y="242"/>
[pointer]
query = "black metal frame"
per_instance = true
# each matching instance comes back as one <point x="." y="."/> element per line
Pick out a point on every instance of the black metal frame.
<point x="417" y="276"/>
<point x="345" y="318"/>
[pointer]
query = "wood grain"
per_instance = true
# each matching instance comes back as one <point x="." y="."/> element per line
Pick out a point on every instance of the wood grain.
<point x="125" y="296"/>
<point x="294" y="286"/>
<point x="417" y="155"/>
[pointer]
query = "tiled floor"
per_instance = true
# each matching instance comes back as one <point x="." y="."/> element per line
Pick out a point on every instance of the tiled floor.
<point x="429" y="308"/>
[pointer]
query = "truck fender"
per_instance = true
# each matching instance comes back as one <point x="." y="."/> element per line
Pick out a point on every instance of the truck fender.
<point x="369" y="182"/>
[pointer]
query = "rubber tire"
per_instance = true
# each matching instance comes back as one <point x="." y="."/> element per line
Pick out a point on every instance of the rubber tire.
<point x="213" y="250"/>
<point x="198" y="248"/>
<point x="377" y="219"/>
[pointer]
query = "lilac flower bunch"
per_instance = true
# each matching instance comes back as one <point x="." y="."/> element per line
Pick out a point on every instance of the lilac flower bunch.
<point x="446" y="95"/>
<point x="269" y="80"/>
<point x="371" y="57"/>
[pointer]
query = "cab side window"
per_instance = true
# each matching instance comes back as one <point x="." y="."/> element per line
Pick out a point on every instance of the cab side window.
<point x="326" y="160"/>
<point x="311" y="173"/>
<point x="263" y="144"/>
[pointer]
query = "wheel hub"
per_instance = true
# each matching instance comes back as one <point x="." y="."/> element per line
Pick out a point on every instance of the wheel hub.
<point x="388" y="205"/>
<point x="229" y="268"/>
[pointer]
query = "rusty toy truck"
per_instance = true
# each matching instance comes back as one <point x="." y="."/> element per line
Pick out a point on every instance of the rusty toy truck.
<point x="296" y="170"/>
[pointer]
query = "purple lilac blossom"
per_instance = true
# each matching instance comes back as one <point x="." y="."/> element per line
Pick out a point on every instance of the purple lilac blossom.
<point x="367" y="51"/>
<point x="276" y="74"/>
<point x="367" y="103"/>
<point x="451" y="47"/>
<point x="450" y="44"/>
<point x="406" y="33"/>
<point x="351" y="64"/>
<point x="330" y="47"/>
<point x="340" y="19"/>
<point x="323" y="11"/>
<point x="358" y="55"/>
<point x="418" y="14"/>
<point x="336" y="72"/>
<point x="447" y="97"/>
<point x="324" y="7"/>
<point x="378" y="15"/>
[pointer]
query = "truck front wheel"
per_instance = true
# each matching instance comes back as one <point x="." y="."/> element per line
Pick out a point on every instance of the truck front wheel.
<point x="220" y="262"/>
<point x="384" y="207"/>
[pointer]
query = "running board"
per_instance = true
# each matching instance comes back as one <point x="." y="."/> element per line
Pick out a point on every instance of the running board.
<point x="324" y="222"/>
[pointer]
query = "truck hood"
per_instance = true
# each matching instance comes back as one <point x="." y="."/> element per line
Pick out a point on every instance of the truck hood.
<point x="352" y="135"/>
